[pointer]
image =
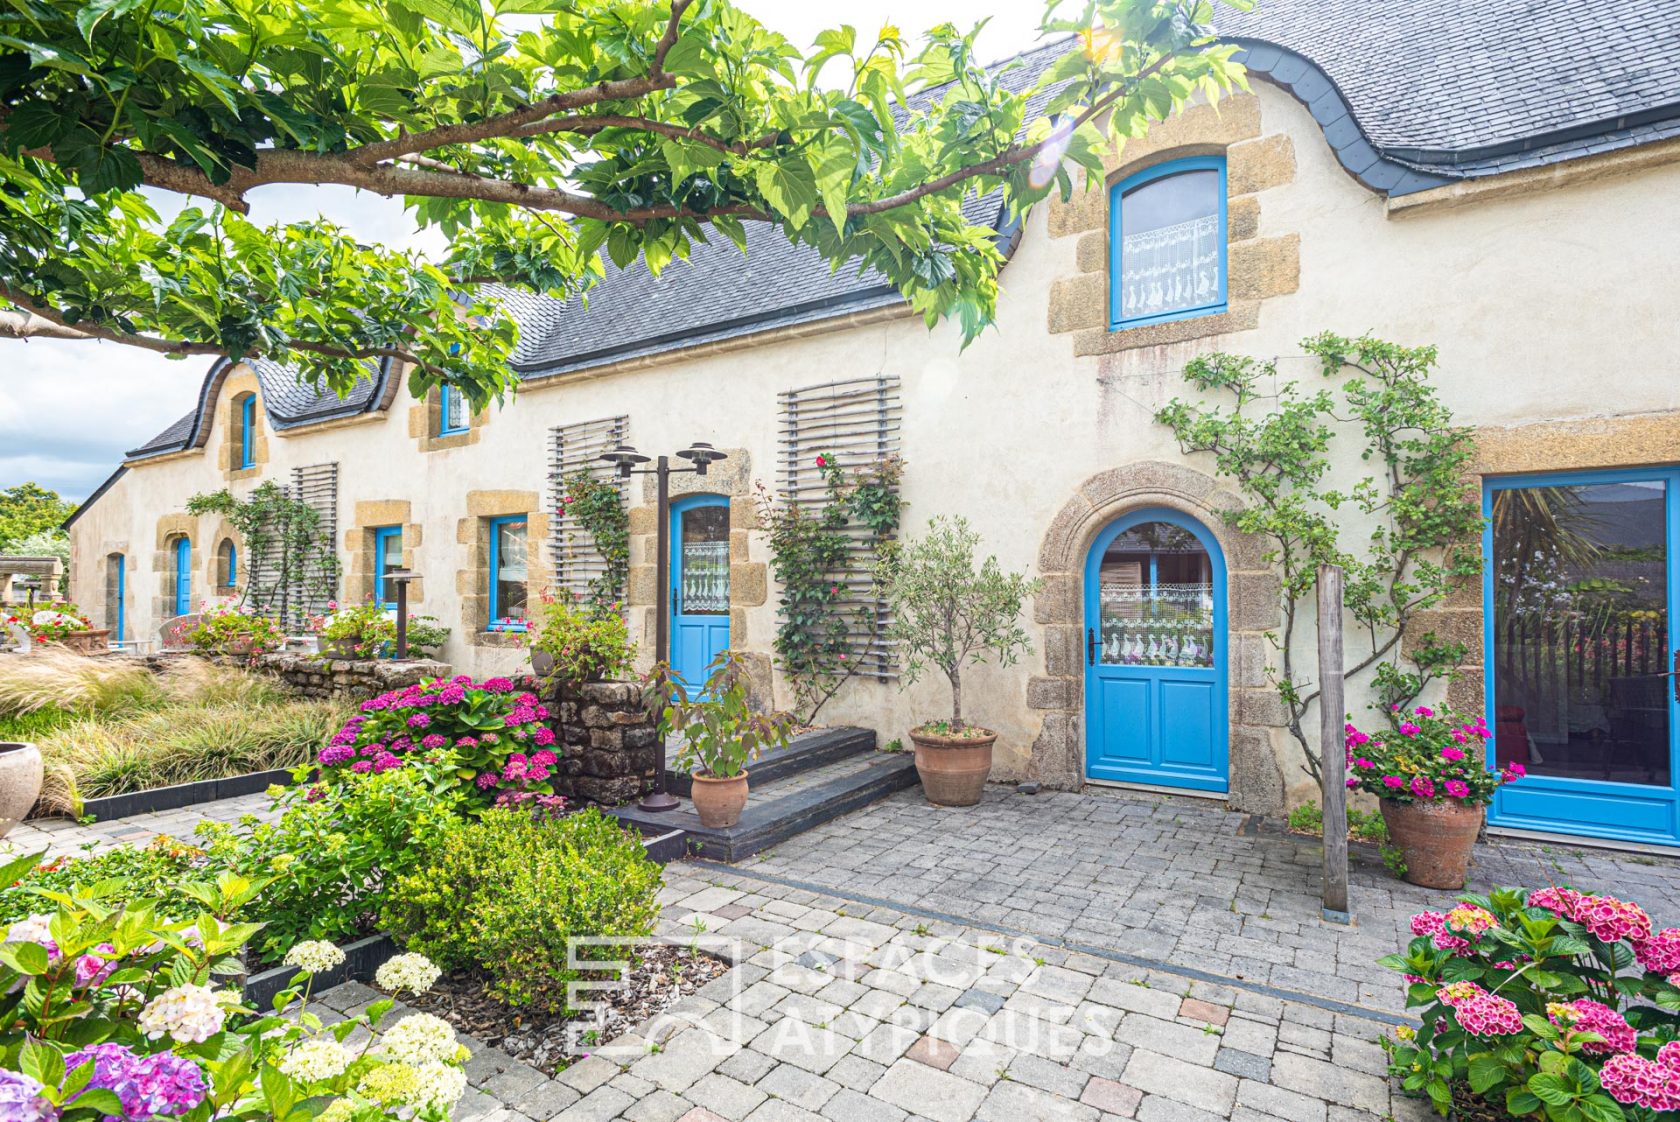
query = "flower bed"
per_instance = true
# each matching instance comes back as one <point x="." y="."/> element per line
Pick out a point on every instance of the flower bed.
<point x="110" y="1009"/>
<point x="1551" y="1004"/>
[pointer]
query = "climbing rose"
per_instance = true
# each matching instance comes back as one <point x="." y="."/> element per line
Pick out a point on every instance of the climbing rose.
<point x="1451" y="754"/>
<point x="1409" y="729"/>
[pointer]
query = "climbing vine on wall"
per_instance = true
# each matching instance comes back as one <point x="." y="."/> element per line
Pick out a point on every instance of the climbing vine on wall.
<point x="1282" y="456"/>
<point x="825" y="631"/>
<point x="287" y="558"/>
<point x="598" y="507"/>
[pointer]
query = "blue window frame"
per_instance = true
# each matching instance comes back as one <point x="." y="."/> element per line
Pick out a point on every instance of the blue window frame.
<point x="1166" y="243"/>
<point x="452" y="411"/>
<point x="227" y="557"/>
<point x="387" y="556"/>
<point x="247" y="431"/>
<point x="509" y="573"/>
<point x="183" y="576"/>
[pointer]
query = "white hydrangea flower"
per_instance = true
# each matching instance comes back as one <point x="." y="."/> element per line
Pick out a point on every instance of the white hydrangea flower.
<point x="316" y="1060"/>
<point x="339" y="1110"/>
<point x="437" y="1086"/>
<point x="420" y="1038"/>
<point x="190" y="1014"/>
<point x="317" y="956"/>
<point x="412" y="972"/>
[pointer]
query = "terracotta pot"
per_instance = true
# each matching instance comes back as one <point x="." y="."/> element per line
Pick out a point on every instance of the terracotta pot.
<point x="718" y="802"/>
<point x="953" y="769"/>
<point x="1436" y="838"/>
<point x="20" y="782"/>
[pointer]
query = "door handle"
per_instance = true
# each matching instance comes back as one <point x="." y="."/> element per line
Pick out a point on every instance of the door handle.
<point x="1090" y="646"/>
<point x="676" y="600"/>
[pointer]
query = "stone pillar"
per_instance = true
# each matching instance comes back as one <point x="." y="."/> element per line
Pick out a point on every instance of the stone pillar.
<point x="609" y="742"/>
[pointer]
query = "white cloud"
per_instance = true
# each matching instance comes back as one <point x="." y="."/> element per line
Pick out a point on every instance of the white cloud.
<point x="68" y="411"/>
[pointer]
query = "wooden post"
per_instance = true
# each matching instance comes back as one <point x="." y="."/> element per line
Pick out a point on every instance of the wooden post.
<point x="1332" y="708"/>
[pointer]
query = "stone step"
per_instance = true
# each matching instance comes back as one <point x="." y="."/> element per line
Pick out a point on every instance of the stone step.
<point x="793" y="804"/>
<point x="813" y="750"/>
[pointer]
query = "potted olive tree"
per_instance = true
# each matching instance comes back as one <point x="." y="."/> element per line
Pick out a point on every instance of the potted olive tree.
<point x="720" y="734"/>
<point x="949" y="612"/>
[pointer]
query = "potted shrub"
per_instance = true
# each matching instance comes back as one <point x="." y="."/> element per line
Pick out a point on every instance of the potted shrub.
<point x="1429" y="775"/>
<point x="720" y="734"/>
<point x="1544" y="1004"/>
<point x="578" y="642"/>
<point x="228" y="629"/>
<point x="949" y="612"/>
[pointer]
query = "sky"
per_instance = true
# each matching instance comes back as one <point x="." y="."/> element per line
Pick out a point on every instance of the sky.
<point x="69" y="410"/>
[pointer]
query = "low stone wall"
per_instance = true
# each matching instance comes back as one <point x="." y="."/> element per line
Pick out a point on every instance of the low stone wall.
<point x="610" y="742"/>
<point x="309" y="675"/>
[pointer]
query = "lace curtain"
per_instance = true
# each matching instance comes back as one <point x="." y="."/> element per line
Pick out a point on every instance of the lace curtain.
<point x="1170" y="267"/>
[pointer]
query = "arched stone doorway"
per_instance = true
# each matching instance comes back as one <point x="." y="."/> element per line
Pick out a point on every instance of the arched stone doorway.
<point x="1252" y="609"/>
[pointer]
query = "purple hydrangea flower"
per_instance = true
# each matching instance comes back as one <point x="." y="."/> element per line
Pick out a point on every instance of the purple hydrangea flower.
<point x="498" y="685"/>
<point x="336" y="754"/>
<point x="434" y="741"/>
<point x="162" y="1085"/>
<point x="419" y="721"/>
<point x="21" y="1099"/>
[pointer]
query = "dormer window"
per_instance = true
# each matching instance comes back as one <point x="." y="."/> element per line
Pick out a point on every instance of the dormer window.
<point x="1167" y="243"/>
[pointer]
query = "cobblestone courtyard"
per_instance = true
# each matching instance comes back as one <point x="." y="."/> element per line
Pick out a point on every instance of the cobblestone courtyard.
<point x="1080" y="957"/>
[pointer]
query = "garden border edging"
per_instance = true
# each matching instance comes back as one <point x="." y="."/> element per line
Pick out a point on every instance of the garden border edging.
<point x="181" y="795"/>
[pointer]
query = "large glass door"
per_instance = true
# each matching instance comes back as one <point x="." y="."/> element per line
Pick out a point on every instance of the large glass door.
<point x="1578" y="592"/>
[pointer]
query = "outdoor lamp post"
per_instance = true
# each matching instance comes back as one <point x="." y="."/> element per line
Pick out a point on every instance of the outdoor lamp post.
<point x="626" y="459"/>
<point x="400" y="578"/>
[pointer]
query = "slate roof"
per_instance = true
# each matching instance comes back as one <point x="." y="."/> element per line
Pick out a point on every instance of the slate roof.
<point x="1411" y="94"/>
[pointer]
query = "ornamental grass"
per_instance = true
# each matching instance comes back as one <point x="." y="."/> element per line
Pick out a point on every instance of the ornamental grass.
<point x="109" y="726"/>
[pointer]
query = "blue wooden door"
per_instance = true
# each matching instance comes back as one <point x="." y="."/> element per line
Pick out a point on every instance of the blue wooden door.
<point x="117" y="595"/>
<point x="699" y="584"/>
<point x="1582" y="572"/>
<point x="1156" y="704"/>
<point x="183" y="576"/>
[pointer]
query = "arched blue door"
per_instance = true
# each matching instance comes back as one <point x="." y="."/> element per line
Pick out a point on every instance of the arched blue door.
<point x="699" y="584"/>
<point x="183" y="576"/>
<point x="1156" y="703"/>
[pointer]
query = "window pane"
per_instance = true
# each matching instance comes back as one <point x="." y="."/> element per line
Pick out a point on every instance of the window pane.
<point x="1156" y="591"/>
<point x="454" y="409"/>
<point x="1171" y="253"/>
<point x="390" y="559"/>
<point x="705" y="561"/>
<point x="1580" y="622"/>
<point x="510" y="574"/>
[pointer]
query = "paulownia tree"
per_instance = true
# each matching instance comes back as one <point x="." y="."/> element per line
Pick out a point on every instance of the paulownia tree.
<point x="536" y="135"/>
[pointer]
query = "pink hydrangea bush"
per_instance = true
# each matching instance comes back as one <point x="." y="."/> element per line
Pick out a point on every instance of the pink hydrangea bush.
<point x="1551" y="1004"/>
<point x="490" y="737"/>
<point x="1427" y="756"/>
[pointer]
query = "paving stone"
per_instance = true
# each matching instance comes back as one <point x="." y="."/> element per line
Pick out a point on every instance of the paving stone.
<point x="1277" y="1101"/>
<point x="660" y="1106"/>
<point x="684" y="1060"/>
<point x="933" y="1052"/>
<point x="850" y="1106"/>
<point x="1245" y="1064"/>
<point x="856" y="1073"/>
<point x="701" y="1114"/>
<point x="1058" y="1079"/>
<point x="775" y="1110"/>
<point x="586" y="1075"/>
<point x="1198" y="1010"/>
<point x="599" y="1105"/>
<point x="1170" y="1037"/>
<point x="886" y="1044"/>
<point x="728" y="1097"/>
<point x="799" y="1087"/>
<point x="1320" y="1080"/>
<point x="1013" y="1102"/>
<point x="1112" y="1097"/>
<point x="927" y="1091"/>
<point x="1187" y="1083"/>
<point x="1156" y="1108"/>
<point x="747" y="1066"/>
<point x="1141" y="999"/>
